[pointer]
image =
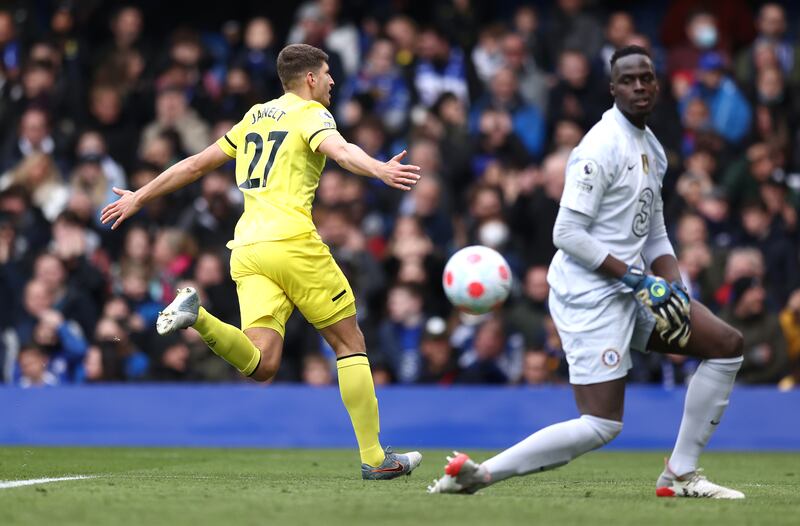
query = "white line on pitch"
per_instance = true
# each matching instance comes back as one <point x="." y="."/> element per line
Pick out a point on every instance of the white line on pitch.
<point x="5" y="484"/>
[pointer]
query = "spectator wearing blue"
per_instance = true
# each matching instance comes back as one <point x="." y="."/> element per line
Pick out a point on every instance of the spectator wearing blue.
<point x="771" y="39"/>
<point x="527" y="121"/>
<point x="34" y="368"/>
<point x="401" y="332"/>
<point x="440" y="68"/>
<point x="379" y="88"/>
<point x="731" y="113"/>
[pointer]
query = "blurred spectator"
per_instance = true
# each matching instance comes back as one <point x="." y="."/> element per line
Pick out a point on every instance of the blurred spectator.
<point x="489" y="360"/>
<point x="174" y="363"/>
<point x="10" y="46"/>
<point x="527" y="121"/>
<point x="730" y="111"/>
<point x="402" y="30"/>
<point x="526" y="314"/>
<point x="577" y="95"/>
<point x="733" y="22"/>
<point x="213" y="214"/>
<point x="790" y="324"/>
<point x="259" y="58"/>
<point x="33" y="367"/>
<point x="535" y="208"/>
<point x="780" y="254"/>
<point x="314" y="27"/>
<point x="107" y="117"/>
<point x="537" y="368"/>
<point x="378" y="88"/>
<point x="401" y="331"/>
<point x="173" y="255"/>
<point x="703" y="36"/>
<point x="487" y="55"/>
<point x="121" y="360"/>
<point x="317" y="370"/>
<point x="173" y="113"/>
<point x="439" y="69"/>
<point x="40" y="177"/>
<point x="620" y="27"/>
<point x="533" y="81"/>
<point x="571" y="27"/>
<point x="771" y="39"/>
<point x="765" y="358"/>
<point x="72" y="302"/>
<point x="34" y="135"/>
<point x="438" y="359"/>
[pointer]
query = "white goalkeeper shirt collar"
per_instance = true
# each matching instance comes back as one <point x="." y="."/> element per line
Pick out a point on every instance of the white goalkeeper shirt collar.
<point x="627" y="125"/>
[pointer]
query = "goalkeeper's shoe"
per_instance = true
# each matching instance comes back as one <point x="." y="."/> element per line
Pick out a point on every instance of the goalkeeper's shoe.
<point x="693" y="484"/>
<point x="393" y="465"/>
<point x="461" y="475"/>
<point x="179" y="314"/>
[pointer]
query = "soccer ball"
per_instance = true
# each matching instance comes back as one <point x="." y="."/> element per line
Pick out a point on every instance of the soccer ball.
<point x="476" y="279"/>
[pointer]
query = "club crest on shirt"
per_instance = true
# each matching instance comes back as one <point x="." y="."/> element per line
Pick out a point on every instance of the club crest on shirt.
<point x="645" y="163"/>
<point x="610" y="358"/>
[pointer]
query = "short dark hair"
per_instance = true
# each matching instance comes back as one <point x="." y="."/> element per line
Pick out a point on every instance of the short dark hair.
<point x="629" y="50"/>
<point x="296" y="60"/>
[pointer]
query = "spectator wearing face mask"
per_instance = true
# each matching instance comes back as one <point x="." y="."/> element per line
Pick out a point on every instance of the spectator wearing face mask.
<point x="702" y="35"/>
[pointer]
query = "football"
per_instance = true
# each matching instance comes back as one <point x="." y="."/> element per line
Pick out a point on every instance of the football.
<point x="476" y="279"/>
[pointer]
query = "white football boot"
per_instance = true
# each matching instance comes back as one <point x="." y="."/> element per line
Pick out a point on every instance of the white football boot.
<point x="461" y="475"/>
<point x="179" y="314"/>
<point x="693" y="484"/>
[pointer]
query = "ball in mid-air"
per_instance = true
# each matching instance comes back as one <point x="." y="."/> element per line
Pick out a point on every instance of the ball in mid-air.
<point x="476" y="279"/>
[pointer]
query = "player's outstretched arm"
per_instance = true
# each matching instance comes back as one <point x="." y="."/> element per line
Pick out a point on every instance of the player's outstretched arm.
<point x="354" y="159"/>
<point x="176" y="176"/>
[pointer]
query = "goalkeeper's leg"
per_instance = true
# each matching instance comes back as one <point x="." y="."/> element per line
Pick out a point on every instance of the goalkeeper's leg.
<point x="720" y="346"/>
<point x="600" y="406"/>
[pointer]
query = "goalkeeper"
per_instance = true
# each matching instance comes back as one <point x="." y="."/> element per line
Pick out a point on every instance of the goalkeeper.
<point x="609" y="228"/>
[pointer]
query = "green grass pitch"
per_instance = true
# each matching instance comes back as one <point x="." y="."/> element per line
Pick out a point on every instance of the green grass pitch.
<point x="149" y="486"/>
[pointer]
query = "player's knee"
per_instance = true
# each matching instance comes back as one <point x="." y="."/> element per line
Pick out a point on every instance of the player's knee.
<point x="732" y="344"/>
<point x="606" y="430"/>
<point x="266" y="370"/>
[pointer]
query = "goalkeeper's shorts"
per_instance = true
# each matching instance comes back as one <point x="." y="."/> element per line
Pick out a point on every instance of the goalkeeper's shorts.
<point x="272" y="277"/>
<point x="597" y="339"/>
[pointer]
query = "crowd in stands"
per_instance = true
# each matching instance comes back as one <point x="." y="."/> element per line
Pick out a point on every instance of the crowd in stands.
<point x="488" y="100"/>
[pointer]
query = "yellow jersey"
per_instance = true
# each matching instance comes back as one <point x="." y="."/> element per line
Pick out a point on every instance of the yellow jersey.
<point x="278" y="166"/>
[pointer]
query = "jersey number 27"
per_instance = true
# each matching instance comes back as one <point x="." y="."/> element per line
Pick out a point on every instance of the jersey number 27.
<point x="275" y="136"/>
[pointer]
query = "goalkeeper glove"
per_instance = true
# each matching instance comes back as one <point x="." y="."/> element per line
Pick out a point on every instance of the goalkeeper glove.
<point x="668" y="302"/>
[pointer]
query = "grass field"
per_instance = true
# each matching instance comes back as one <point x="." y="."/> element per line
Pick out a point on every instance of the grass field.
<point x="323" y="487"/>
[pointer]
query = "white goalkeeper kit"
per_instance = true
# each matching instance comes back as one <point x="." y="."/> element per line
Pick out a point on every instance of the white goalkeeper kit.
<point x="611" y="205"/>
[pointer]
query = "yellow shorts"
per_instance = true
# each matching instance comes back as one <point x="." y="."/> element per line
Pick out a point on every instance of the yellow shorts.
<point x="272" y="277"/>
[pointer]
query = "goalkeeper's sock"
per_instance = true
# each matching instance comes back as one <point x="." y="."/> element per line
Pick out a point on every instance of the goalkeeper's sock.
<point x="706" y="400"/>
<point x="358" y="395"/>
<point x="228" y="342"/>
<point x="552" y="447"/>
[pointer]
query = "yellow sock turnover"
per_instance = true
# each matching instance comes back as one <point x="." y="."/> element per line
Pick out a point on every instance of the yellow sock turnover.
<point x="228" y="342"/>
<point x="358" y="395"/>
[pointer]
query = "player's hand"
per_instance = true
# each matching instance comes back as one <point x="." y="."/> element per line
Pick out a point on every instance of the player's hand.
<point x="121" y="209"/>
<point x="668" y="302"/>
<point x="397" y="175"/>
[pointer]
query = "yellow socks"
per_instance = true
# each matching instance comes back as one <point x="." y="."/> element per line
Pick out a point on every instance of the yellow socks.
<point x="229" y="342"/>
<point x="358" y="395"/>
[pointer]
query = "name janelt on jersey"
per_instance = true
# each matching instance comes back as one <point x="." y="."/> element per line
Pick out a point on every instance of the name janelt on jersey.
<point x="269" y="111"/>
